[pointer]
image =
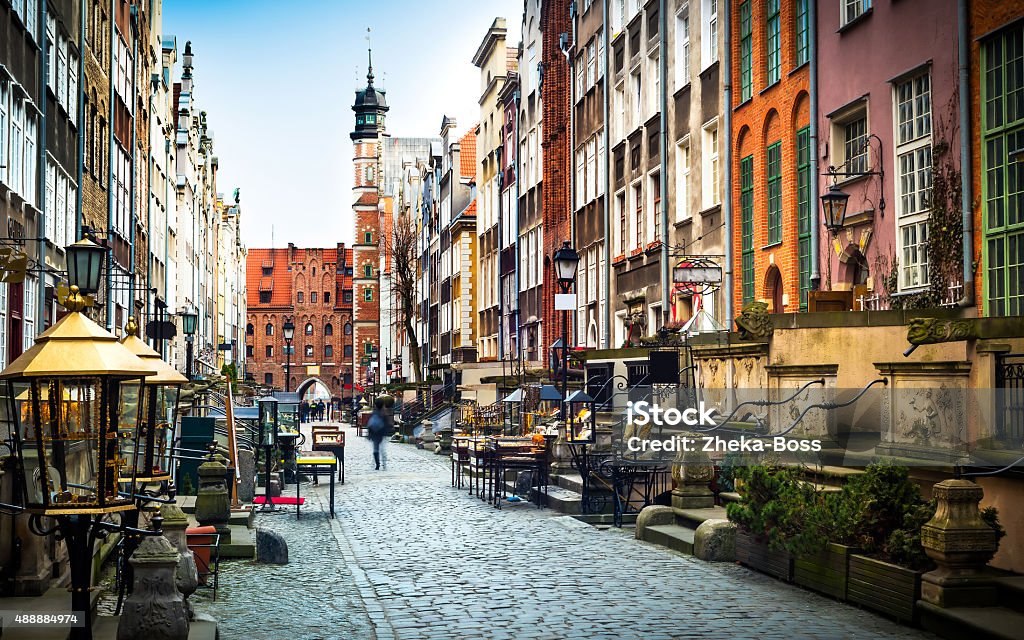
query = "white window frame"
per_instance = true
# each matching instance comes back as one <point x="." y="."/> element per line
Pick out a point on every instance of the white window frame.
<point x="636" y="86"/>
<point x="600" y="53"/>
<point x="581" y="70"/>
<point x="601" y="162"/>
<point x="850" y="10"/>
<point x="711" y="166"/>
<point x="709" y="33"/>
<point x="581" y="181"/>
<point x="5" y="119"/>
<point x="682" y="62"/>
<point x="3" y="324"/>
<point x="621" y="230"/>
<point x="913" y="255"/>
<point x="682" y="179"/>
<point x="591" y="162"/>
<point x="654" y="87"/>
<point x="30" y="308"/>
<point x="591" y="63"/>
<point x="654" y="206"/>
<point x="912" y="131"/>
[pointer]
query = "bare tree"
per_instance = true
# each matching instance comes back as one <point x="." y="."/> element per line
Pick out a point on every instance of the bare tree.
<point x="401" y="246"/>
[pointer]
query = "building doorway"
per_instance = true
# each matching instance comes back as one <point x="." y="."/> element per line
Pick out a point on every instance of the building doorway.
<point x="773" y="289"/>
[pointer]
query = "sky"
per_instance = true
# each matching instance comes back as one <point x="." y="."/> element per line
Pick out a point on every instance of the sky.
<point x="277" y="80"/>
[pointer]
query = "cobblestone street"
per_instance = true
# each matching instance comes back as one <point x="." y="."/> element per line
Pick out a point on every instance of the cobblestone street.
<point x="410" y="557"/>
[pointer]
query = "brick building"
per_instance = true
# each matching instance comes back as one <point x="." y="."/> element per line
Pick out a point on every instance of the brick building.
<point x="312" y="287"/>
<point x="770" y="124"/>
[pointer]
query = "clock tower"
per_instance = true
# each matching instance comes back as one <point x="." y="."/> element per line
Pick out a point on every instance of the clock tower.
<point x="370" y="108"/>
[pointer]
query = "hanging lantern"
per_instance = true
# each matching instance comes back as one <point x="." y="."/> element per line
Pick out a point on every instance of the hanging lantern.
<point x="157" y="402"/>
<point x="62" y="401"/>
<point x="581" y="421"/>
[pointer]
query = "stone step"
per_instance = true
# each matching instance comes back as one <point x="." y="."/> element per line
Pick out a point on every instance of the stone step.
<point x="693" y="518"/>
<point x="970" y="623"/>
<point x="570" y="481"/>
<point x="729" y="496"/>
<point x="560" y="499"/>
<point x="1011" y="592"/>
<point x="606" y="519"/>
<point x="672" y="536"/>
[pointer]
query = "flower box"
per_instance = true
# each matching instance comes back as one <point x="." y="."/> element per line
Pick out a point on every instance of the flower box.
<point x="883" y="587"/>
<point x="619" y="258"/>
<point x="757" y="555"/>
<point x="635" y="252"/>
<point x="653" y="245"/>
<point x="825" y="571"/>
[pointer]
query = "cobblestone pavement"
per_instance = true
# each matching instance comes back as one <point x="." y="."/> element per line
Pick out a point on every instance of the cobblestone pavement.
<point x="432" y="562"/>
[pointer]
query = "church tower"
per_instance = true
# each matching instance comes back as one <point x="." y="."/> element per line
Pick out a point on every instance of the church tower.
<point x="370" y="108"/>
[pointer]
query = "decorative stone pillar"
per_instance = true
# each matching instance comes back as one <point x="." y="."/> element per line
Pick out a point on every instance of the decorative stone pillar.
<point x="246" y="476"/>
<point x="186" y="576"/>
<point x="693" y="473"/>
<point x="155" y="610"/>
<point x="213" y="508"/>
<point x="960" y="542"/>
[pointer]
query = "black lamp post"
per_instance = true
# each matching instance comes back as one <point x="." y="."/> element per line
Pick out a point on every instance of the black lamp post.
<point x="289" y="333"/>
<point x="566" y="261"/>
<point x="189" y="321"/>
<point x="268" y="440"/>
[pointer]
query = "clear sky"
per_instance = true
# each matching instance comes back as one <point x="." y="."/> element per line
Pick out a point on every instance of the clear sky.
<point x="277" y="80"/>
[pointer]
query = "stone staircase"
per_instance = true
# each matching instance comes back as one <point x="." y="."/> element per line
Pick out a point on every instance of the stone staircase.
<point x="1003" y="622"/>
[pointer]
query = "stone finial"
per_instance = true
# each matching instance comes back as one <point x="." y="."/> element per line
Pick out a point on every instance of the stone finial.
<point x="213" y="507"/>
<point x="155" y="609"/>
<point x="186" y="575"/>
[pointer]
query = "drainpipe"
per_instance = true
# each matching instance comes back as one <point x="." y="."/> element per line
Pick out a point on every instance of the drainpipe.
<point x="571" y="137"/>
<point x="131" y="219"/>
<point x="606" y="335"/>
<point x="966" y="185"/>
<point x="727" y="199"/>
<point x="81" y="126"/>
<point x="815" y="221"/>
<point x="516" y="97"/>
<point x="41" y="175"/>
<point x="663" y="195"/>
<point x="110" y="170"/>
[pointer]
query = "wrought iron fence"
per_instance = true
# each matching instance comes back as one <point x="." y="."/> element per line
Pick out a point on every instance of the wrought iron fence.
<point x="1010" y="397"/>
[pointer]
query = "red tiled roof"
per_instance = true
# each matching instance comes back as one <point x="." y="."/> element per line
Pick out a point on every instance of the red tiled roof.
<point x="467" y="154"/>
<point x="280" y="282"/>
<point x="368" y="198"/>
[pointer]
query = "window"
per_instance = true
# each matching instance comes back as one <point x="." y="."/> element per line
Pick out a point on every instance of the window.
<point x="591" y="169"/>
<point x="248" y="351"/>
<point x="368" y="348"/>
<point x="641" y="223"/>
<point x="746" y="53"/>
<point x="268" y="271"/>
<point x="249" y="329"/>
<point x="747" y="226"/>
<point x="312" y="297"/>
<point x="803" y="211"/>
<point x="327" y="297"/>
<point x="637" y="113"/>
<point x="269" y="329"/>
<point x="682" y="180"/>
<point x="773" y="163"/>
<point x="655" y="193"/>
<point x="31" y="303"/>
<point x="592" y="63"/>
<point x="300" y="297"/>
<point x="346" y="296"/>
<point x="348" y="351"/>
<point x="308" y="351"/>
<point x="803" y="30"/>
<point x="914" y="267"/>
<point x="709" y="172"/>
<point x="367" y="271"/>
<point x="914" y="177"/>
<point x="328" y="329"/>
<point x="1002" y="99"/>
<point x="328" y="351"/>
<point x="368" y="294"/>
<point x="368" y="237"/>
<point x="268" y="379"/>
<point x="348" y="329"/>
<point x="853" y="9"/>
<point x="709" y="33"/>
<point x="581" y="70"/>
<point x="600" y="52"/>
<point x="620" y="211"/>
<point x="683" y="46"/>
<point x="581" y="181"/>
<point x="654" y="66"/>
<point x="265" y="297"/>
<point x="601" y="160"/>
<point x="772" y="52"/>
<point x="309" y="329"/>
<point x="270" y="351"/>
<point x="856" y="145"/>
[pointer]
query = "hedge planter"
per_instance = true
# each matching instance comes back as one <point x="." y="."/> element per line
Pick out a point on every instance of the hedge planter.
<point x="825" y="571"/>
<point x="883" y="587"/>
<point x="757" y="555"/>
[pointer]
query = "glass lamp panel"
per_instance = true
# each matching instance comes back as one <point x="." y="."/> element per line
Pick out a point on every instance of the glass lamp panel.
<point x="69" y="415"/>
<point x="288" y="416"/>
<point x="166" y="417"/>
<point x="132" y="404"/>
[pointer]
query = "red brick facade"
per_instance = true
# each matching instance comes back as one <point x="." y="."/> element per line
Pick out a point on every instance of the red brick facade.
<point x="313" y="288"/>
<point x="772" y="114"/>
<point x="556" y="150"/>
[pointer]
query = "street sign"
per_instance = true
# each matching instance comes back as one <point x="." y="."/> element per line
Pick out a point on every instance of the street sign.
<point x="565" y="302"/>
<point x="161" y="330"/>
<point x="697" y="275"/>
<point x="224" y="346"/>
<point x="14" y="264"/>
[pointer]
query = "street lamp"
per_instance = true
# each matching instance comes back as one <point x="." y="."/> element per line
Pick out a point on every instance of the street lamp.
<point x="833" y="206"/>
<point x="566" y="261"/>
<point x="189" y="320"/>
<point x="267" y="442"/>
<point x="289" y="333"/>
<point x="63" y="401"/>
<point x="85" y="265"/>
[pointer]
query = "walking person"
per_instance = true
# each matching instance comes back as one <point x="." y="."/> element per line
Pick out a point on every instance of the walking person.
<point x="379" y="429"/>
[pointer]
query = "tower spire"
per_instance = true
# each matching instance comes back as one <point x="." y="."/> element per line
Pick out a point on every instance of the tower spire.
<point x="369" y="56"/>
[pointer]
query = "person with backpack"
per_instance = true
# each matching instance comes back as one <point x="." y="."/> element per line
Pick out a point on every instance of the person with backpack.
<point x="379" y="428"/>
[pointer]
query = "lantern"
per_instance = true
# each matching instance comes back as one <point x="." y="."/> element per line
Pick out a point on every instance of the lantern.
<point x="63" y="400"/>
<point x="580" y="419"/>
<point x="159" y="409"/>
<point x="268" y="421"/>
<point x="85" y="261"/>
<point x="833" y="206"/>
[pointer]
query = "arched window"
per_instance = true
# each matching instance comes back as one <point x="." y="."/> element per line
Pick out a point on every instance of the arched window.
<point x="309" y="351"/>
<point x="249" y="329"/>
<point x="309" y="329"/>
<point x="348" y="328"/>
<point x="300" y="297"/>
<point x="269" y="329"/>
<point x="328" y="329"/>
<point x="327" y="297"/>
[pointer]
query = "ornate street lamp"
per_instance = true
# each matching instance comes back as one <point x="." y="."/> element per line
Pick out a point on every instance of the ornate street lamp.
<point x="63" y="397"/>
<point x="189" y="320"/>
<point x="85" y="261"/>
<point x="833" y="206"/>
<point x="267" y="441"/>
<point x="289" y="333"/>
<point x="566" y="261"/>
<point x="580" y="421"/>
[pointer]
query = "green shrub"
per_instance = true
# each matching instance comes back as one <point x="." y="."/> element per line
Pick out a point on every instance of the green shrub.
<point x="780" y="509"/>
